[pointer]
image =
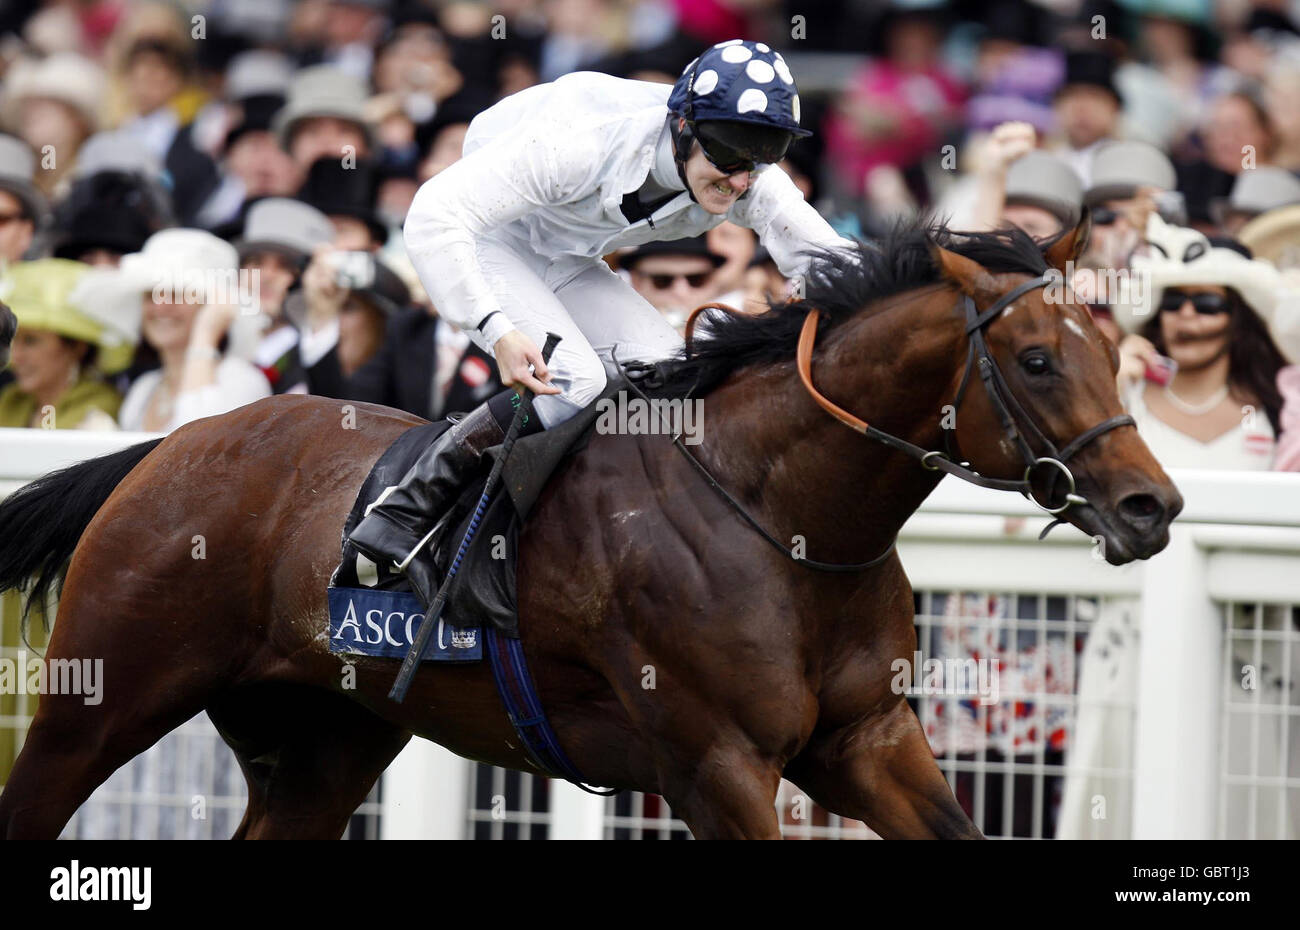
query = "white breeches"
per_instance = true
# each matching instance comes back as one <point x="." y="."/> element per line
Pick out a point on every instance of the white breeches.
<point x="587" y="305"/>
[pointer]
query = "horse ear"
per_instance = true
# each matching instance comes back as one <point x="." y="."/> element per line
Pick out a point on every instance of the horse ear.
<point x="968" y="274"/>
<point x="1070" y="245"/>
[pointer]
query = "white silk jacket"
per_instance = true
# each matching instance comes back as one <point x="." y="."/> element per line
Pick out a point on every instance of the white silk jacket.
<point x="545" y="170"/>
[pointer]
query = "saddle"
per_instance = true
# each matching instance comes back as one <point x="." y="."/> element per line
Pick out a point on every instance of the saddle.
<point x="484" y="591"/>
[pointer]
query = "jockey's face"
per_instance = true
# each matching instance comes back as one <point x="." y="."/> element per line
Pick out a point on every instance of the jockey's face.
<point x="716" y="192"/>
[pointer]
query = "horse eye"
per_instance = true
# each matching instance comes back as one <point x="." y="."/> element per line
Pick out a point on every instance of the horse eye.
<point x="1036" y="363"/>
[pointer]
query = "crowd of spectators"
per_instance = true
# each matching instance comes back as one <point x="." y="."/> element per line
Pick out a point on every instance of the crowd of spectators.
<point x="278" y="145"/>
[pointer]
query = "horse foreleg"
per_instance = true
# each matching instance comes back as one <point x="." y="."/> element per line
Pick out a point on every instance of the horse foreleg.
<point x="881" y="771"/>
<point x="728" y="794"/>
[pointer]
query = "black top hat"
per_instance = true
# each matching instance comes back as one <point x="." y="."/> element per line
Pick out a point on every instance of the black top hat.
<point x="1092" y="69"/>
<point x="891" y="15"/>
<point x="460" y="107"/>
<point x="1011" y="21"/>
<point x="336" y="190"/>
<point x="696" y="246"/>
<point x="109" y="210"/>
<point x="258" y="112"/>
<point x="102" y="227"/>
<point x="387" y="292"/>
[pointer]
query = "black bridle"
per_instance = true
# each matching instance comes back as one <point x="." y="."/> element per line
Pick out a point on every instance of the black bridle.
<point x="1016" y="422"/>
<point x="1015" y="419"/>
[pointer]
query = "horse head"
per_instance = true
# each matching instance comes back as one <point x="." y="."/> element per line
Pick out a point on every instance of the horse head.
<point x="1042" y="403"/>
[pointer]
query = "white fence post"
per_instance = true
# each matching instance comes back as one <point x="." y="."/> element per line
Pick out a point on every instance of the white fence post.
<point x="425" y="793"/>
<point x="575" y="814"/>
<point x="1175" y="776"/>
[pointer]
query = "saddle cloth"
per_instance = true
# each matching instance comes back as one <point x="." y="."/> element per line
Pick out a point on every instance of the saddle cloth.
<point x="484" y="590"/>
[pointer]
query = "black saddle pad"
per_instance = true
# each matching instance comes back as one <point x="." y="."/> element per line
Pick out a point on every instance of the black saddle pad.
<point x="484" y="590"/>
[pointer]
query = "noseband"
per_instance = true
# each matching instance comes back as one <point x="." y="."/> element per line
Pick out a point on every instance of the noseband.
<point x="1016" y="421"/>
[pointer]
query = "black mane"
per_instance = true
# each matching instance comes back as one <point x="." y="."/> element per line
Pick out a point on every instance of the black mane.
<point x="841" y="286"/>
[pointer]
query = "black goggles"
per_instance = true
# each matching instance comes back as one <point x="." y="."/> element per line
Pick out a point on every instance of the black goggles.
<point x="729" y="159"/>
<point x="1173" y="299"/>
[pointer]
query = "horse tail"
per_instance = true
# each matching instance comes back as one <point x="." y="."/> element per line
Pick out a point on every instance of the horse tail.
<point x="42" y="522"/>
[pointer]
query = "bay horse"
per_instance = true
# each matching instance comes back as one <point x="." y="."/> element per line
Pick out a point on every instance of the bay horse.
<point x="630" y="562"/>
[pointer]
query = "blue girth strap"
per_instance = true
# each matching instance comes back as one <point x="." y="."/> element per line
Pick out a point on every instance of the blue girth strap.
<point x="515" y="686"/>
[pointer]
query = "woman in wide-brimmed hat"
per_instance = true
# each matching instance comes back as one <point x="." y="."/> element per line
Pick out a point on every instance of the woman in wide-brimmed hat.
<point x="57" y="102"/>
<point x="1220" y="316"/>
<point x="195" y="315"/>
<point x="1275" y="236"/>
<point x="68" y="336"/>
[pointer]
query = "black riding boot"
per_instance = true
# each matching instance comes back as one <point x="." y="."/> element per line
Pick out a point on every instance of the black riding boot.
<point x="405" y="513"/>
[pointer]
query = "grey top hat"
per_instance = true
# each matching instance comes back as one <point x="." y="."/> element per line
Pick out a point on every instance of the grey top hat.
<point x="17" y="168"/>
<point x="289" y="227"/>
<point x="258" y="73"/>
<point x="119" y="151"/>
<point x="1256" y="191"/>
<point x="322" y="90"/>
<point x="1042" y="180"/>
<point x="1120" y="168"/>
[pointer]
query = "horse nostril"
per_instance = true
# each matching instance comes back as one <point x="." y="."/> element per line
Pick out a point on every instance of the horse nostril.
<point x="1142" y="510"/>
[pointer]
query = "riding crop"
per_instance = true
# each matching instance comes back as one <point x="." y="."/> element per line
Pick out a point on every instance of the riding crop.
<point x="415" y="654"/>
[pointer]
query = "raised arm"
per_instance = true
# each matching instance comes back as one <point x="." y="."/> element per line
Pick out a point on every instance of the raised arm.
<point x="489" y="187"/>
<point x="786" y="224"/>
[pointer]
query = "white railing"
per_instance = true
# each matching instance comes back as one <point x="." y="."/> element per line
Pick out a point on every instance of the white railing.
<point x="1237" y="545"/>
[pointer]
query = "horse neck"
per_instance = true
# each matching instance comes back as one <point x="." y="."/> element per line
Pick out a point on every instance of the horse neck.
<point x="808" y="474"/>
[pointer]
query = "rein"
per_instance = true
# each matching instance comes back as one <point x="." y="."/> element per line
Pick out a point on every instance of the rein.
<point x="1012" y="415"/>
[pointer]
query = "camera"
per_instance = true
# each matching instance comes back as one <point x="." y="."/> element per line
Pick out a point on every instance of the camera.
<point x="354" y="270"/>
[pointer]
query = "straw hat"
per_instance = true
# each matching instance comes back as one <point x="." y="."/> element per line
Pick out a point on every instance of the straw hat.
<point x="76" y="301"/>
<point x="1182" y="256"/>
<point x="1275" y="236"/>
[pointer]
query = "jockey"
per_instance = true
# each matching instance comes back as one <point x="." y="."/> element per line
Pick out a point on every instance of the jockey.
<point x="508" y="242"/>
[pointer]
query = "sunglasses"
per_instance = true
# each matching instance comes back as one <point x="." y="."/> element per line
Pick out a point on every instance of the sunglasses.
<point x="1173" y="300"/>
<point x="1104" y="217"/>
<point x="725" y="158"/>
<point x="661" y="282"/>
